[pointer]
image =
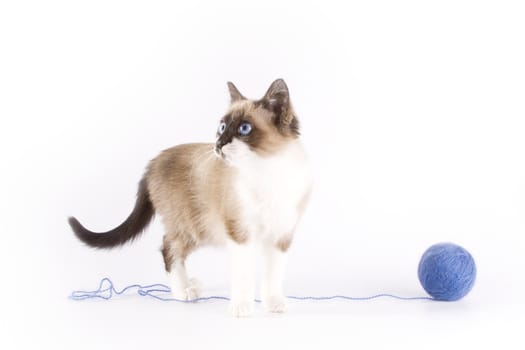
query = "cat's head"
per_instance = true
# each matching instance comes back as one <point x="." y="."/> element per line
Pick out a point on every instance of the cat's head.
<point x="261" y="127"/>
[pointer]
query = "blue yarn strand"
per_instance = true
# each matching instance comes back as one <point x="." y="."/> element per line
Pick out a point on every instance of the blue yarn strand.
<point x="106" y="290"/>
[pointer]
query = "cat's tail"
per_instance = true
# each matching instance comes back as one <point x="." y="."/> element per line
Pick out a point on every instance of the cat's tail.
<point x="136" y="222"/>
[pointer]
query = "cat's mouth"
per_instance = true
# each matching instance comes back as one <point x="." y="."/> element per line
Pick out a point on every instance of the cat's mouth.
<point x="223" y="156"/>
<point x="219" y="153"/>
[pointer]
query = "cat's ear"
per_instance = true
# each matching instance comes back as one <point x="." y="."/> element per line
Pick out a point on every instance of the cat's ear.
<point x="235" y="95"/>
<point x="277" y="100"/>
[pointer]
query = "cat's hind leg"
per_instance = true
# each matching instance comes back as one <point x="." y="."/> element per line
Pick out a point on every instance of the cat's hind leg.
<point x="175" y="251"/>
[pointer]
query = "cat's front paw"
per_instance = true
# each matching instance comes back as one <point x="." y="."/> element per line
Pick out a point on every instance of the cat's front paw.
<point x="240" y="308"/>
<point x="190" y="292"/>
<point x="193" y="290"/>
<point x="275" y="303"/>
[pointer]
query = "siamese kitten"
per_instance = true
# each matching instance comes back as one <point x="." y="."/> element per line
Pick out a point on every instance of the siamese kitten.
<point x="246" y="190"/>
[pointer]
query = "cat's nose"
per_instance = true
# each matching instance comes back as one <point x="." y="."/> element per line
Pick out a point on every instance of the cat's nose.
<point x="219" y="144"/>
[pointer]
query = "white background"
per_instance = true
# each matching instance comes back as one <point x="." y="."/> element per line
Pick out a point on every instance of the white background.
<point x="414" y="116"/>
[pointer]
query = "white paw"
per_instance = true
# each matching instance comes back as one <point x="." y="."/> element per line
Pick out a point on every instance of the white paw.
<point x="275" y="303"/>
<point x="240" y="308"/>
<point x="191" y="292"/>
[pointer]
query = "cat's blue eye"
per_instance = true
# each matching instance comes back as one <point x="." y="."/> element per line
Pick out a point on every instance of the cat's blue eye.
<point x="222" y="127"/>
<point x="245" y="129"/>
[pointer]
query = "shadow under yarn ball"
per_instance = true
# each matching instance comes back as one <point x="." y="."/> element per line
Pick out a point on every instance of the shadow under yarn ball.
<point x="447" y="271"/>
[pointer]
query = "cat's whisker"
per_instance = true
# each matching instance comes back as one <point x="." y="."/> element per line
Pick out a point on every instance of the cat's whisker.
<point x="211" y="158"/>
<point x="201" y="161"/>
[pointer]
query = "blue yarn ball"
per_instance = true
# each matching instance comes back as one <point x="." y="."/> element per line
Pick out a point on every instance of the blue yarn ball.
<point x="447" y="271"/>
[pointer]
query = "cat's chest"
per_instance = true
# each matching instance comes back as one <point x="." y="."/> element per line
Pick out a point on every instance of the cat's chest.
<point x="270" y="192"/>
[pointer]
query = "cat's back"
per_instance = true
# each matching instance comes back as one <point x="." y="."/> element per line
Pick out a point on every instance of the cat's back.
<point x="182" y="170"/>
<point x="177" y="160"/>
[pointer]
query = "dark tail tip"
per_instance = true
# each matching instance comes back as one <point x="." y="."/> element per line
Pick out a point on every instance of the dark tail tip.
<point x="77" y="228"/>
<point x="92" y="239"/>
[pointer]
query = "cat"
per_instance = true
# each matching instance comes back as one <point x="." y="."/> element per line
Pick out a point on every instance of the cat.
<point x="247" y="190"/>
